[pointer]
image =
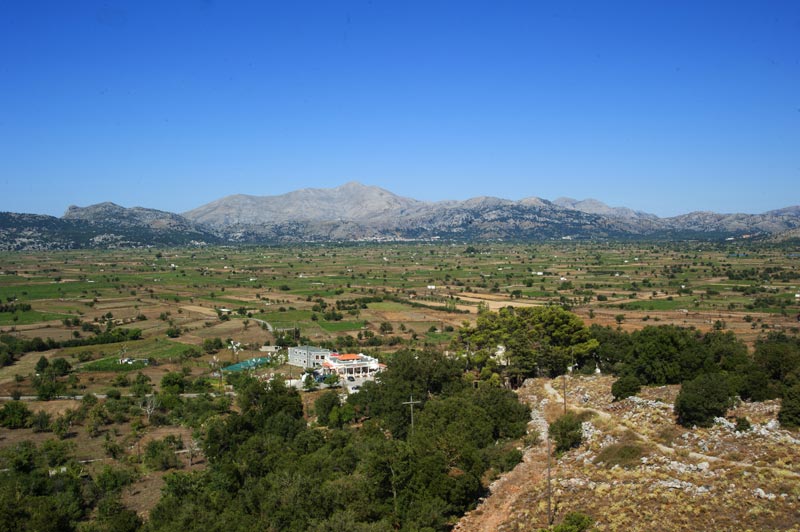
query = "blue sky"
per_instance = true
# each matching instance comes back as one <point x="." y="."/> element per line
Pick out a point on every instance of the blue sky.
<point x="662" y="106"/>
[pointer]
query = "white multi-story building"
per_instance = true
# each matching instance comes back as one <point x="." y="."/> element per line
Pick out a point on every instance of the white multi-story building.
<point x="307" y="356"/>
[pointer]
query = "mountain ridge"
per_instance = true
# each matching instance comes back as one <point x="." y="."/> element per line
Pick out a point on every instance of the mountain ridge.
<point x="356" y="212"/>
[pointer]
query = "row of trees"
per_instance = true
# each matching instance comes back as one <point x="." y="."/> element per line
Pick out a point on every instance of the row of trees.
<point x="14" y="307"/>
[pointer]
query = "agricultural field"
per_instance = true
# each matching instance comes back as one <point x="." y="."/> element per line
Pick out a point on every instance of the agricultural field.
<point x="122" y="324"/>
<point x="365" y="298"/>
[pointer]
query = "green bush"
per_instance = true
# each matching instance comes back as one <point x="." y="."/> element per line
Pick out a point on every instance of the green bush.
<point x="113" y="394"/>
<point x="702" y="399"/>
<point x="789" y="415"/>
<point x="41" y="421"/>
<point x="566" y="432"/>
<point x="573" y="522"/>
<point x="324" y="405"/>
<point x="173" y="382"/>
<point x="15" y="415"/>
<point x="503" y="459"/>
<point x="743" y="424"/>
<point x="60" y="366"/>
<point x="160" y="454"/>
<point x="625" y="386"/>
<point x="113" y="479"/>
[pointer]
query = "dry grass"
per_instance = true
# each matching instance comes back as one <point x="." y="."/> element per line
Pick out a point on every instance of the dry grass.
<point x="622" y="476"/>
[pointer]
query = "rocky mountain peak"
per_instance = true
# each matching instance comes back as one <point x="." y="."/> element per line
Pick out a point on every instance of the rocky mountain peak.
<point x="354" y="211"/>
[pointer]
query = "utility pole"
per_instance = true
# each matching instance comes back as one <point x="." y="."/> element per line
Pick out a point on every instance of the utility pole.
<point x="549" y="492"/>
<point x="215" y="363"/>
<point x="411" y="402"/>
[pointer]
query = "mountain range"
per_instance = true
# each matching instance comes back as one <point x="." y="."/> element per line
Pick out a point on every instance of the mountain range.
<point x="357" y="212"/>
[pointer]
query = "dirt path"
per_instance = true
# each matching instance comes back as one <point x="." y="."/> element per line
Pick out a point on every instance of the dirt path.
<point x="495" y="510"/>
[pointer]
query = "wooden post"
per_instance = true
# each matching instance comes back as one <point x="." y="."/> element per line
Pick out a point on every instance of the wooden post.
<point x="549" y="492"/>
<point x="411" y="402"/>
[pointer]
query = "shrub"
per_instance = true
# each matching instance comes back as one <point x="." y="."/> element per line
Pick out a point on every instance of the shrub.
<point x="789" y="415"/>
<point x="113" y="394"/>
<point x="212" y="345"/>
<point x="41" y="421"/>
<point x="112" y="515"/>
<point x="15" y="415"/>
<point x="743" y="424"/>
<point x="573" y="522"/>
<point x="60" y="366"/>
<point x="702" y="399"/>
<point x="504" y="459"/>
<point x="42" y="364"/>
<point x="173" y="382"/>
<point x="566" y="431"/>
<point x="623" y="455"/>
<point x="113" y="479"/>
<point x="160" y="454"/>
<point x="625" y="386"/>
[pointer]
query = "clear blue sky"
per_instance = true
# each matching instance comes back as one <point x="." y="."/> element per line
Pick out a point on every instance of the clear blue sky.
<point x="662" y="106"/>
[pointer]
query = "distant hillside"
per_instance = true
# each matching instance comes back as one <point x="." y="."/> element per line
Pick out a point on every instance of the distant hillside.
<point x="350" y="202"/>
<point x="163" y="226"/>
<point x="103" y="226"/>
<point x="356" y="212"/>
<point x="593" y="206"/>
<point x="793" y="235"/>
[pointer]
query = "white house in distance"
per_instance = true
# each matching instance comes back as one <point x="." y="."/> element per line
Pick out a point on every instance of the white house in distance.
<point x="307" y="356"/>
<point x="351" y="365"/>
<point x="271" y="349"/>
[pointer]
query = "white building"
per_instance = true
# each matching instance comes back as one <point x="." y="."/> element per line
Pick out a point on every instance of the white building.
<point x="271" y="349"/>
<point x="351" y="365"/>
<point x="307" y="356"/>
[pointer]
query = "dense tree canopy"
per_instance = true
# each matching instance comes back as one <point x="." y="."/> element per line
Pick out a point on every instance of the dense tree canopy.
<point x="44" y="489"/>
<point x="669" y="355"/>
<point x="268" y="470"/>
<point x="535" y="340"/>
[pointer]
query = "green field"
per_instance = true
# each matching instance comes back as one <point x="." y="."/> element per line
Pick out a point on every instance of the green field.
<point x="658" y="304"/>
<point x="156" y="348"/>
<point x="388" y="306"/>
<point x="28" y="317"/>
<point x="340" y="326"/>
